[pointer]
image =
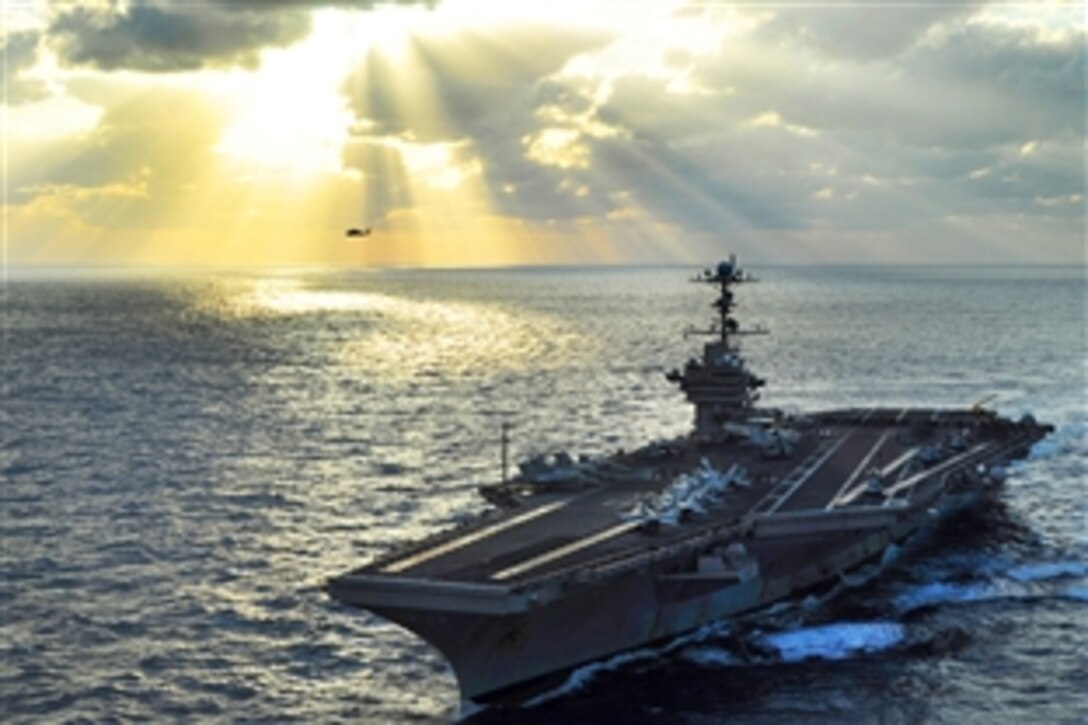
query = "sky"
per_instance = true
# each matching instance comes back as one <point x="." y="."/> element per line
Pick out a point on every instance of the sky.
<point x="483" y="132"/>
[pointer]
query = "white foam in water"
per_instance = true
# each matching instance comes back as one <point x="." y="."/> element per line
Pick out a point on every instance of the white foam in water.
<point x="928" y="595"/>
<point x="581" y="676"/>
<point x="711" y="656"/>
<point x="1020" y="581"/>
<point x="1048" y="570"/>
<point x="836" y="641"/>
<point x="585" y="674"/>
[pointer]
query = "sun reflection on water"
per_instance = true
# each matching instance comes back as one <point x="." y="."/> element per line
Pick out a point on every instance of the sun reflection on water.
<point x="291" y="297"/>
<point x="398" y="337"/>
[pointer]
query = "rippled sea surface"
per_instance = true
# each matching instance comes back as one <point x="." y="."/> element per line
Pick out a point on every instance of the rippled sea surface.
<point x="185" y="460"/>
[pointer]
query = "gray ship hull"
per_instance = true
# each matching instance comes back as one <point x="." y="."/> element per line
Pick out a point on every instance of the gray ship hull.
<point x="556" y="629"/>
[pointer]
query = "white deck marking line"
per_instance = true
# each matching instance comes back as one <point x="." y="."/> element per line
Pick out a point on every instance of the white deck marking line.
<point x="772" y="495"/>
<point x="463" y="541"/>
<point x="916" y="478"/>
<point x="907" y="455"/>
<point x="865" y="418"/>
<point x="550" y="556"/>
<point x="902" y="414"/>
<point x="857" y="471"/>
<point x="843" y="498"/>
<point x="808" y="474"/>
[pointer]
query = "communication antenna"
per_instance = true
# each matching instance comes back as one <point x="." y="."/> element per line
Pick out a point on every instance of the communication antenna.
<point x="504" y="441"/>
<point x="726" y="275"/>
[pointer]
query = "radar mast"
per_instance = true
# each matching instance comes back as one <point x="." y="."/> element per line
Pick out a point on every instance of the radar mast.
<point x="719" y="386"/>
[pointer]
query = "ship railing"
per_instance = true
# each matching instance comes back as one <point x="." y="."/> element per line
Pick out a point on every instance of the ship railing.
<point x="887" y="416"/>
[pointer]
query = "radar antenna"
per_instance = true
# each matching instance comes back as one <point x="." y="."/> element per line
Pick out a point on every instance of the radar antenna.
<point x="725" y="275"/>
<point x="719" y="385"/>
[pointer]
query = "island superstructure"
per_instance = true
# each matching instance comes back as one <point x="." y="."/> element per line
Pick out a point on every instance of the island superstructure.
<point x="719" y="386"/>
<point x="574" y="561"/>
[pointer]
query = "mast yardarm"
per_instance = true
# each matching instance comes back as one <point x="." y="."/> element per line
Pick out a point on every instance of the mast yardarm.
<point x="719" y="386"/>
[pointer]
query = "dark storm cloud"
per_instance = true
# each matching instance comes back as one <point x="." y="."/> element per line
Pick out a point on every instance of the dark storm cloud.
<point x="160" y="37"/>
<point x="172" y="35"/>
<point x="19" y="51"/>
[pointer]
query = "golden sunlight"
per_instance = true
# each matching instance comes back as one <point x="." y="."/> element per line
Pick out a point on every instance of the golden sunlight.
<point x="294" y="125"/>
<point x="293" y="163"/>
<point x="410" y="335"/>
<point x="293" y="118"/>
<point x="478" y="133"/>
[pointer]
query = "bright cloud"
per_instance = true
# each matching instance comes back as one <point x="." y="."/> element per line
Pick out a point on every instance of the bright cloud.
<point x="473" y="132"/>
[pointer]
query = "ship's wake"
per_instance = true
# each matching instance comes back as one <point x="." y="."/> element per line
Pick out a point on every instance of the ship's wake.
<point x="810" y="630"/>
<point x="1054" y="579"/>
<point x="835" y="641"/>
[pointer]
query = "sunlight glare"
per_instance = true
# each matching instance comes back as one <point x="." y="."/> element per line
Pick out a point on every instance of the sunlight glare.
<point x="53" y="117"/>
<point x="294" y="119"/>
<point x="436" y="165"/>
<point x="610" y="16"/>
<point x="412" y="337"/>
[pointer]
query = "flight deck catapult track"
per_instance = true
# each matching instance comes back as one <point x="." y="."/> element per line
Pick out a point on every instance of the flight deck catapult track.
<point x="752" y="507"/>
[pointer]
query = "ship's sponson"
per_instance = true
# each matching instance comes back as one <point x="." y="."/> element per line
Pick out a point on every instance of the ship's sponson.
<point x="706" y="530"/>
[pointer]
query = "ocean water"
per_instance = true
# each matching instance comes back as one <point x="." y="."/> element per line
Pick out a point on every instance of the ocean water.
<point x="185" y="460"/>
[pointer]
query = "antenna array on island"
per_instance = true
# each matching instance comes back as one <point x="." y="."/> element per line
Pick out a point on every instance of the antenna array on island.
<point x="727" y="273"/>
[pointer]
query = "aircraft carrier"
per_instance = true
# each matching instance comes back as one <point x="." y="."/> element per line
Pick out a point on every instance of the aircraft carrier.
<point x="576" y="560"/>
